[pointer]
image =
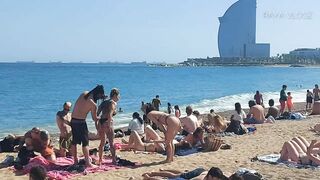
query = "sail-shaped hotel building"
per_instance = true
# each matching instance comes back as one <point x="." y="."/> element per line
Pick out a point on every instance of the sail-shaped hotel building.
<point x="237" y="32"/>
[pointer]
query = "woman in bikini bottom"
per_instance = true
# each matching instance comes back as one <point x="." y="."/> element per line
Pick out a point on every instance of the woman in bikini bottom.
<point x="299" y="150"/>
<point x="170" y="125"/>
<point x="136" y="143"/>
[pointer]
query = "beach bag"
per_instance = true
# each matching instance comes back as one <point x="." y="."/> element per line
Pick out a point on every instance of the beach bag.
<point x="213" y="143"/>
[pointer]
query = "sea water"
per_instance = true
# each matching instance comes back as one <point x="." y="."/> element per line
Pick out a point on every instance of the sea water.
<point x="32" y="93"/>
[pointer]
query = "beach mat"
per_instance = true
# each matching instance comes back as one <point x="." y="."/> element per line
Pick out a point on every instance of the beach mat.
<point x="64" y="169"/>
<point x="186" y="152"/>
<point x="275" y="159"/>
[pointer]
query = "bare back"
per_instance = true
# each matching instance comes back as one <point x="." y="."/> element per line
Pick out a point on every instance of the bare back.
<point x="83" y="106"/>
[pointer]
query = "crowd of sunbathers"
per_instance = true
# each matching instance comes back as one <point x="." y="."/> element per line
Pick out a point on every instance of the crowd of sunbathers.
<point x="143" y="135"/>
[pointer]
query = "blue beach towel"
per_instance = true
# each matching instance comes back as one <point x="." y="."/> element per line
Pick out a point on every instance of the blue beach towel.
<point x="275" y="159"/>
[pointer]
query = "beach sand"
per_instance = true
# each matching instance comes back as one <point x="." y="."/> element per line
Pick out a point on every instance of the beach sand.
<point x="268" y="139"/>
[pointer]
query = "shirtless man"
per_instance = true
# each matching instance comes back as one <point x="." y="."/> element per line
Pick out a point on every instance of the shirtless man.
<point x="189" y="123"/>
<point x="63" y="120"/>
<point x="256" y="114"/>
<point x="85" y="103"/>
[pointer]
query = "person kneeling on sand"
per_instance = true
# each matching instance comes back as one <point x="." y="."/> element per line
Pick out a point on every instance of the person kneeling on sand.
<point x="197" y="174"/>
<point x="299" y="150"/>
<point x="63" y="119"/>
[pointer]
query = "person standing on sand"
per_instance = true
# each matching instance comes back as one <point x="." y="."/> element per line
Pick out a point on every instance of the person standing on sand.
<point x="258" y="98"/>
<point x="289" y="102"/>
<point x="283" y="99"/>
<point x="309" y="99"/>
<point x="316" y="92"/>
<point x="85" y="103"/>
<point x="177" y="111"/>
<point x="156" y="102"/>
<point x="105" y="126"/>
<point x="63" y="120"/>
<point x="168" y="124"/>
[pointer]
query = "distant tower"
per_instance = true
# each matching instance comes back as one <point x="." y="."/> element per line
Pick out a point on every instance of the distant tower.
<point x="237" y="32"/>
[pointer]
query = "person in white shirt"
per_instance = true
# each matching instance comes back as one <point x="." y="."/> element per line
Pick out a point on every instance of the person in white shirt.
<point x="238" y="114"/>
<point x="136" y="124"/>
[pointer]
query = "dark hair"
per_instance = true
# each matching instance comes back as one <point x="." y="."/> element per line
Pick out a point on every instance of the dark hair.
<point x="176" y="107"/>
<point x="289" y="93"/>
<point x="114" y="92"/>
<point x="251" y="103"/>
<point x="44" y="135"/>
<point x="257" y="92"/>
<point x="237" y="107"/>
<point x="196" y="113"/>
<point x="211" y="111"/>
<point x="216" y="172"/>
<point x="136" y="115"/>
<point x="284" y="86"/>
<point x="271" y="102"/>
<point x="235" y="176"/>
<point x="198" y="131"/>
<point x="189" y="110"/>
<point x="97" y="93"/>
<point x="157" y="96"/>
<point x="149" y="107"/>
<point x="38" y="173"/>
<point x="316" y="85"/>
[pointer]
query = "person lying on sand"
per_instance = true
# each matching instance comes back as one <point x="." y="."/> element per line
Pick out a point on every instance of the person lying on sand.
<point x="299" y="150"/>
<point x="195" y="139"/>
<point x="11" y="143"/>
<point x="197" y="174"/>
<point x="135" y="142"/>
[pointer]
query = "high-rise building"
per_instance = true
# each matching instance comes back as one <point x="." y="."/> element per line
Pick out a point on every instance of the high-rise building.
<point x="237" y="32"/>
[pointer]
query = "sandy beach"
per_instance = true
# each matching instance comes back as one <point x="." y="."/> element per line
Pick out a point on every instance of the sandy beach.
<point x="268" y="139"/>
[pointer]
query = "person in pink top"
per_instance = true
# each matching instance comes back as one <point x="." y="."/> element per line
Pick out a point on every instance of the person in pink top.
<point x="289" y="102"/>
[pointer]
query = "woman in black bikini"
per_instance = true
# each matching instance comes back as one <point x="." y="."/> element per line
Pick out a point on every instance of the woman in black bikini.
<point x="105" y="125"/>
<point x="168" y="124"/>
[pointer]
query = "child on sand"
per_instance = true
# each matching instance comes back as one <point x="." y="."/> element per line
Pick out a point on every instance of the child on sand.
<point x="289" y="102"/>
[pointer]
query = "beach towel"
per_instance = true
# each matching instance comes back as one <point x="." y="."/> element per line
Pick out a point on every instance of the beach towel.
<point x="59" y="170"/>
<point x="275" y="159"/>
<point x="185" y="152"/>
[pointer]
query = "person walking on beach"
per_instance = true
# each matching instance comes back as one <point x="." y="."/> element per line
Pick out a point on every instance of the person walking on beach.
<point x="309" y="99"/>
<point x="289" y="102"/>
<point x="156" y="102"/>
<point x="63" y="120"/>
<point x="85" y="103"/>
<point x="105" y="126"/>
<point x="168" y="124"/>
<point x="316" y="92"/>
<point x="258" y="98"/>
<point x="283" y="98"/>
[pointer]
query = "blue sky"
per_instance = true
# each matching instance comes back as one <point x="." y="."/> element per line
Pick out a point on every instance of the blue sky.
<point x="142" y="30"/>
